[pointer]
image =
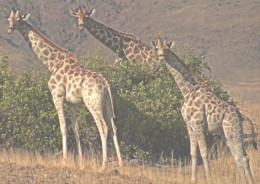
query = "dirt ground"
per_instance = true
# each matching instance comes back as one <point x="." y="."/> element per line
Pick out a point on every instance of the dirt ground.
<point x="11" y="173"/>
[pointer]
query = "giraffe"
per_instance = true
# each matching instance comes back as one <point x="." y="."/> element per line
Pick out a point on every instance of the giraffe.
<point x="125" y="45"/>
<point x="71" y="83"/>
<point x="204" y="112"/>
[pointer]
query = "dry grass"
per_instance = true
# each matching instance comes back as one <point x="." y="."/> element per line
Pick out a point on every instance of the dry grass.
<point x="31" y="167"/>
<point x="22" y="166"/>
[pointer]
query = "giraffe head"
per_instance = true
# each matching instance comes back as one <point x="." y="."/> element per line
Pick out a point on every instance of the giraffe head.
<point x="160" y="47"/>
<point x="81" y="14"/>
<point x="15" y="20"/>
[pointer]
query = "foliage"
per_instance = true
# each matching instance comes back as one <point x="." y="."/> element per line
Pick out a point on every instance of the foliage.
<point x="27" y="113"/>
<point x="147" y="107"/>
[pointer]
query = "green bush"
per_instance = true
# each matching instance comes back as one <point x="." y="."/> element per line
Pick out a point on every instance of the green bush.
<point x="147" y="105"/>
<point x="147" y="108"/>
<point x="28" y="118"/>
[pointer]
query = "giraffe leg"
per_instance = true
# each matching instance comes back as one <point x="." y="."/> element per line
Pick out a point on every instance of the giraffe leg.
<point x="103" y="130"/>
<point x="75" y="128"/>
<point x="59" y="105"/>
<point x="238" y="159"/>
<point x="193" y="153"/>
<point x="97" y="114"/>
<point x="247" y="169"/>
<point x="204" y="151"/>
<point x="108" y="114"/>
<point x="235" y="144"/>
<point x="120" y="161"/>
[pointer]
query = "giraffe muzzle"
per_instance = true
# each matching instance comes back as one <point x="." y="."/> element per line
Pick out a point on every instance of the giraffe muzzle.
<point x="10" y="30"/>
<point x="81" y="26"/>
<point x="161" y="57"/>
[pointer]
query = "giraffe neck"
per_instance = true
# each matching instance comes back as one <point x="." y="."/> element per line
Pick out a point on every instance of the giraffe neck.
<point x="108" y="36"/>
<point x="184" y="79"/>
<point x="105" y="34"/>
<point x="128" y="46"/>
<point x="50" y="54"/>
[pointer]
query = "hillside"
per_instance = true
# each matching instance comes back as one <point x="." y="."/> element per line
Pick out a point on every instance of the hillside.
<point x="226" y="32"/>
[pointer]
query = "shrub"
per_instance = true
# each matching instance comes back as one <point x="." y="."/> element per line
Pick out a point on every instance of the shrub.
<point x="147" y="108"/>
<point x="147" y="105"/>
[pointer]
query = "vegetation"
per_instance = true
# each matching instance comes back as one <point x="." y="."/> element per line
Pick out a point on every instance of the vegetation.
<point x="147" y="108"/>
<point x="23" y="167"/>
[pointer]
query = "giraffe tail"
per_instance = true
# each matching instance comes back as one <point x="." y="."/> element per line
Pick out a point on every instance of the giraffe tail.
<point x="247" y="119"/>
<point x="111" y="100"/>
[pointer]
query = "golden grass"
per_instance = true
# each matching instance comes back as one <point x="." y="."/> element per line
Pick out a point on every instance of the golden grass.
<point x="223" y="169"/>
<point x="32" y="167"/>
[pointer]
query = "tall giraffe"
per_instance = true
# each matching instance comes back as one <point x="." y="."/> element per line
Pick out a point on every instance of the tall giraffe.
<point x="71" y="83"/>
<point x="125" y="45"/>
<point x="204" y="112"/>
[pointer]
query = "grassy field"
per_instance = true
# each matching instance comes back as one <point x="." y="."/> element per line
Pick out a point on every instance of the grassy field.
<point x="22" y="166"/>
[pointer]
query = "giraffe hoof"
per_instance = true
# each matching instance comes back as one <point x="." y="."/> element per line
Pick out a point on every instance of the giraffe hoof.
<point x="81" y="166"/>
<point x="193" y="180"/>
<point x="104" y="166"/>
<point x="121" y="164"/>
<point x="64" y="162"/>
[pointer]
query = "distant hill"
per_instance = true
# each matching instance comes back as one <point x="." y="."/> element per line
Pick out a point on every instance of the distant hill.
<point x="226" y="32"/>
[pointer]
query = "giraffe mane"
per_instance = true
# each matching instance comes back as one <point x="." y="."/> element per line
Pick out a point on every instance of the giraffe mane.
<point x="130" y="36"/>
<point x="127" y="35"/>
<point x="45" y="39"/>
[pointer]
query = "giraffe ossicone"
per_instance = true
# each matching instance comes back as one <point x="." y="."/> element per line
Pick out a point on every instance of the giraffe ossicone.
<point x="71" y="83"/>
<point x="204" y="112"/>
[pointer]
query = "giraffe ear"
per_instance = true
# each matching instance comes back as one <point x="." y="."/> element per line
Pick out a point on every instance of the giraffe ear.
<point x="25" y="16"/>
<point x="91" y="12"/>
<point x="12" y="13"/>
<point x="72" y="13"/>
<point x="171" y="44"/>
<point x="153" y="43"/>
